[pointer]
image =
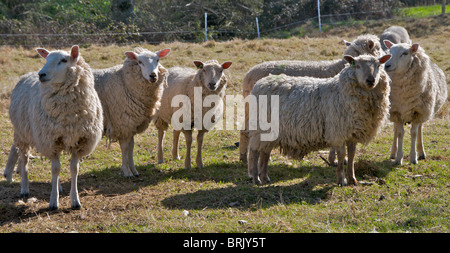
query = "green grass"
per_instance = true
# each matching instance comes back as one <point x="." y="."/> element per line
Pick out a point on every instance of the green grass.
<point x="303" y="197"/>
<point x="424" y="11"/>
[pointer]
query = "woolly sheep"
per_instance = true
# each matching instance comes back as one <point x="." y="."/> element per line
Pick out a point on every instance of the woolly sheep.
<point x="130" y="93"/>
<point x="54" y="110"/>
<point x="395" y="34"/>
<point x="418" y="91"/>
<point x="317" y="113"/>
<point x="209" y="77"/>
<point x="363" y="44"/>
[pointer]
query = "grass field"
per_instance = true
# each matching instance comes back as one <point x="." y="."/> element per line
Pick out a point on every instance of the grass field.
<point x="303" y="196"/>
<point x="424" y="11"/>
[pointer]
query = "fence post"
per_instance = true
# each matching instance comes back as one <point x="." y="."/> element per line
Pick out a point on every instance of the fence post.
<point x="318" y="11"/>
<point x="443" y="6"/>
<point x="257" y="28"/>
<point x="206" y="29"/>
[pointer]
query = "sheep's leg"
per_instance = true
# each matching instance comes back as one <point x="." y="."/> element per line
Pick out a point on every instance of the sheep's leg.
<point x="187" y="159"/>
<point x="351" y="149"/>
<point x="24" y="183"/>
<point x="252" y="164"/>
<point x="200" y="136"/>
<point x="161" y="134"/>
<point x="412" y="153"/>
<point x="54" y="196"/>
<point x="243" y="146"/>
<point x="422" y="154"/>
<point x="264" y="158"/>
<point x="125" y="146"/>
<point x="176" y="138"/>
<point x="74" y="167"/>
<point x="400" y="134"/>
<point x="12" y="160"/>
<point x="394" y="143"/>
<point x="341" y="180"/>
<point x="130" y="157"/>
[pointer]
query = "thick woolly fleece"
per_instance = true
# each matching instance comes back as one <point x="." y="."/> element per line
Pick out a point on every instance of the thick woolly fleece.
<point x="321" y="113"/>
<point x="57" y="117"/>
<point x="181" y="81"/>
<point x="129" y="101"/>
<point x="419" y="93"/>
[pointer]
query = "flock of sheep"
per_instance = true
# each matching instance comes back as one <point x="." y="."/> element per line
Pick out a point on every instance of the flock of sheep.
<point x="67" y="106"/>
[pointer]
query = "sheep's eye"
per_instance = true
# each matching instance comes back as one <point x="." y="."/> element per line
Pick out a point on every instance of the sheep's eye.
<point x="405" y="53"/>
<point x="157" y="60"/>
<point x="63" y="60"/>
<point x="139" y="62"/>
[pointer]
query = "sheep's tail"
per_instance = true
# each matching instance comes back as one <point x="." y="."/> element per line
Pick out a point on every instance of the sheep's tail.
<point x="12" y="160"/>
<point x="159" y="123"/>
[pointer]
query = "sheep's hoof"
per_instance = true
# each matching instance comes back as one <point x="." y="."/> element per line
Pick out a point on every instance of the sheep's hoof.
<point x="266" y="181"/>
<point x="342" y="182"/>
<point x="52" y="207"/>
<point x="25" y="195"/>
<point x="257" y="181"/>
<point x="243" y="158"/>
<point x="176" y="158"/>
<point x="392" y="157"/>
<point x="422" y="157"/>
<point x="352" y="181"/>
<point x="161" y="161"/>
<point x="413" y="161"/>
<point x="76" y="206"/>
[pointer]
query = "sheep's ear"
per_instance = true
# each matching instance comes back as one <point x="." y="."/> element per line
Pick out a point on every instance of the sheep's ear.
<point x="414" y="48"/>
<point x="349" y="59"/>
<point x="388" y="43"/>
<point x="163" y="53"/>
<point x="347" y="43"/>
<point x="74" y="53"/>
<point x="43" y="52"/>
<point x="371" y="44"/>
<point x="131" y="55"/>
<point x="385" y="58"/>
<point x="198" y="64"/>
<point x="226" y="65"/>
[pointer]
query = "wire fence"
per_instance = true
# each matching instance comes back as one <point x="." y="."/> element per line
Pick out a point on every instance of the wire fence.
<point x="157" y="37"/>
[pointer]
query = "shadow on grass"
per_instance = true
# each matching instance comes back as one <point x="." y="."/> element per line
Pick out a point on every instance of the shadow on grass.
<point x="312" y="185"/>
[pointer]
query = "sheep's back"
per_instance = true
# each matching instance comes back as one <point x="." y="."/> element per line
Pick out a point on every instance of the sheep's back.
<point x="320" y="69"/>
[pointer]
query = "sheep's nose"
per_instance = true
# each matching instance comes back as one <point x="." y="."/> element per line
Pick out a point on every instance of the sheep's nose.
<point x="370" y="80"/>
<point x="212" y="85"/>
<point x="153" y="76"/>
<point x="42" y="76"/>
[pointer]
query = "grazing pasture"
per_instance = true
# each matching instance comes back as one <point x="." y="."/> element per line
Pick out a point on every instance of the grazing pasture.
<point x="303" y="195"/>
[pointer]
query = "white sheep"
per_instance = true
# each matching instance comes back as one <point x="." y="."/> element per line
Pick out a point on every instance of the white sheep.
<point x="130" y="93"/>
<point x="316" y="113"/>
<point x="55" y="110"/>
<point x="418" y="91"/>
<point x="363" y="44"/>
<point x="208" y="79"/>
<point x="395" y="34"/>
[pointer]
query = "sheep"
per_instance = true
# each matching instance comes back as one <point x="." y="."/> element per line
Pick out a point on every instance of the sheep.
<point x="396" y="34"/>
<point x="130" y="94"/>
<point x="419" y="89"/>
<point x="55" y="110"/>
<point x="318" y="113"/>
<point x="211" y="80"/>
<point x="363" y="44"/>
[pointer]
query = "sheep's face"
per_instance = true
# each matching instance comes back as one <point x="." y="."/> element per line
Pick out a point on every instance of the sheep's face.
<point x="367" y="69"/>
<point x="58" y="62"/>
<point x="402" y="56"/>
<point x="211" y="73"/>
<point x="148" y="62"/>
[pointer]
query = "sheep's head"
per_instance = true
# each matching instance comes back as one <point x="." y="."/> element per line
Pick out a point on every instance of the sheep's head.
<point x="211" y="73"/>
<point x="367" y="69"/>
<point x="148" y="62"/>
<point x="402" y="56"/>
<point x="364" y="44"/>
<point x="57" y="65"/>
